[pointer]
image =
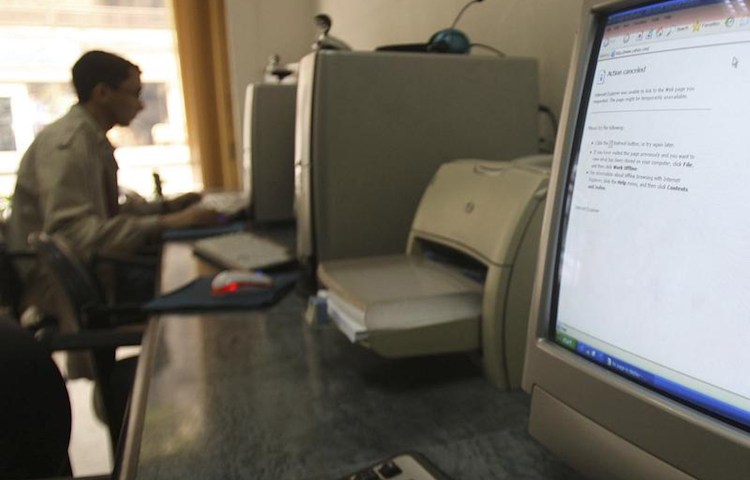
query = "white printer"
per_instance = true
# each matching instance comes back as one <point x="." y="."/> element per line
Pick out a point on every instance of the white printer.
<point x="465" y="280"/>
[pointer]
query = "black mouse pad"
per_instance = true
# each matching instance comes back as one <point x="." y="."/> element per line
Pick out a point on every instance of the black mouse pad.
<point x="196" y="296"/>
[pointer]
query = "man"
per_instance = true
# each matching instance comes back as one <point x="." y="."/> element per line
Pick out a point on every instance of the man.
<point x="67" y="179"/>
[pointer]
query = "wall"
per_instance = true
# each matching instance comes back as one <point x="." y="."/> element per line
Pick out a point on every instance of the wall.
<point x="544" y="29"/>
<point x="256" y="29"/>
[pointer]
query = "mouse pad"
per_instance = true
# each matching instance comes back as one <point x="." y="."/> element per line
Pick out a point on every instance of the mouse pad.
<point x="196" y="296"/>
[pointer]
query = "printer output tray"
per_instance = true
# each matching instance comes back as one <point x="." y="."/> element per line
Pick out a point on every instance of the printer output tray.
<point x="403" y="305"/>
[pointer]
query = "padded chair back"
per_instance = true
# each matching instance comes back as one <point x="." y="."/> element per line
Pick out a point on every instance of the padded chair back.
<point x="11" y="287"/>
<point x="10" y="282"/>
<point x="69" y="272"/>
<point x="35" y="418"/>
<point x="114" y="378"/>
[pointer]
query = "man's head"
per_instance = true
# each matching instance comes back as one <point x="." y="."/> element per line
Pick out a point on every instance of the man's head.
<point x="109" y="87"/>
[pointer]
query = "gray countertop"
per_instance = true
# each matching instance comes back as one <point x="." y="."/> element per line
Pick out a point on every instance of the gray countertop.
<point x="263" y="395"/>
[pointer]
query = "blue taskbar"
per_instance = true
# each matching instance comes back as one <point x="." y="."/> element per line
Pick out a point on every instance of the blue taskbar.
<point x="660" y="8"/>
<point x="656" y="382"/>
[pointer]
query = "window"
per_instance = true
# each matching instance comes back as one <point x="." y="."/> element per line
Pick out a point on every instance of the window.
<point x="48" y="36"/>
<point x="7" y="140"/>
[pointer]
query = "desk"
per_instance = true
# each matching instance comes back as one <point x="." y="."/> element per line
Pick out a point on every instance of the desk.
<point x="261" y="395"/>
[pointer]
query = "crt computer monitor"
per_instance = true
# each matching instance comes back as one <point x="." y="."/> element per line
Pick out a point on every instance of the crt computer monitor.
<point x="268" y="151"/>
<point x="639" y="339"/>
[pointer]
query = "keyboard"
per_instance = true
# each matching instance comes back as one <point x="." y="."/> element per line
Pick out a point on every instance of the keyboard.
<point x="242" y="251"/>
<point x="230" y="204"/>
<point x="405" y="466"/>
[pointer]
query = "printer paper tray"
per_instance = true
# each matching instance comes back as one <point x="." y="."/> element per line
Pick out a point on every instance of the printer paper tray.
<point x="349" y="319"/>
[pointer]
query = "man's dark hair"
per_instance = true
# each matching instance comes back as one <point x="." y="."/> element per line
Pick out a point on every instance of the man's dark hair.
<point x="97" y="67"/>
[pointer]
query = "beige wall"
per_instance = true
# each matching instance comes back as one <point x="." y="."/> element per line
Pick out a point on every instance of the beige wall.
<point x="258" y="29"/>
<point x="543" y="29"/>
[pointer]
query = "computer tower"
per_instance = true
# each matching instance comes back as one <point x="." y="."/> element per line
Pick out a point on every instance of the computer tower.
<point x="268" y="151"/>
<point x="373" y="127"/>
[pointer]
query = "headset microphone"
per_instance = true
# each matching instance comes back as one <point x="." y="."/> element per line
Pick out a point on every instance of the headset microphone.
<point x="326" y="41"/>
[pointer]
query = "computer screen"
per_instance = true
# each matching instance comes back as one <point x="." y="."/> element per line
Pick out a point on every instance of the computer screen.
<point x="645" y="273"/>
<point x="656" y="241"/>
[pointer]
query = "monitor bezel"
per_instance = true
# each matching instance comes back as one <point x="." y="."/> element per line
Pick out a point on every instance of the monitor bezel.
<point x="654" y="423"/>
<point x="588" y="81"/>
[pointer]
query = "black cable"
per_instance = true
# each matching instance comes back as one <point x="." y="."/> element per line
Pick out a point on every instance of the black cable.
<point x="551" y="115"/>
<point x="499" y="53"/>
<point x="462" y="12"/>
<point x="553" y="121"/>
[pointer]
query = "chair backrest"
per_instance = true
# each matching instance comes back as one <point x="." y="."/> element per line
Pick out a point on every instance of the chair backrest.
<point x="114" y="378"/>
<point x="10" y="282"/>
<point x="35" y="417"/>
<point x="11" y="287"/>
<point x="69" y="272"/>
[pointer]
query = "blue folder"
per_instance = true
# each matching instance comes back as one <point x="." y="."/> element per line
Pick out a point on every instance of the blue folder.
<point x="196" y="296"/>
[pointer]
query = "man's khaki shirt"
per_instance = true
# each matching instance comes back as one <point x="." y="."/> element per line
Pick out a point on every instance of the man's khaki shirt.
<point x="66" y="186"/>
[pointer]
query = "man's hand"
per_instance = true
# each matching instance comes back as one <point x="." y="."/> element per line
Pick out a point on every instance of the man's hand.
<point x="182" y="202"/>
<point x="193" y="216"/>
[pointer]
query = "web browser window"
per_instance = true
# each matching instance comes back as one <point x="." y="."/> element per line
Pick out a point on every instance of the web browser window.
<point x="655" y="266"/>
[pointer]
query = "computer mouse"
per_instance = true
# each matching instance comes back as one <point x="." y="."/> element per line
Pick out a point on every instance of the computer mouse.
<point x="228" y="282"/>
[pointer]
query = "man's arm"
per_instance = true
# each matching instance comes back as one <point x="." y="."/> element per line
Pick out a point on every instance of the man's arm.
<point x="142" y="207"/>
<point x="74" y="204"/>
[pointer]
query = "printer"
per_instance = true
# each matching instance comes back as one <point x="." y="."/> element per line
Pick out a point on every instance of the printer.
<point x="464" y="283"/>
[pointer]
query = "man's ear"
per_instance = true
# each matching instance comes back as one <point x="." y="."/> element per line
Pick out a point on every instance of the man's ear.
<point x="101" y="91"/>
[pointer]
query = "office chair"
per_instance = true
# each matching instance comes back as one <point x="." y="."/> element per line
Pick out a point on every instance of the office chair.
<point x="92" y="305"/>
<point x="99" y="323"/>
<point x="35" y="418"/>
<point x="35" y="413"/>
<point x="11" y="287"/>
<point x="10" y="282"/>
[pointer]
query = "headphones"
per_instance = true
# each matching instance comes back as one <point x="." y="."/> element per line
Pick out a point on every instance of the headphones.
<point x="451" y="40"/>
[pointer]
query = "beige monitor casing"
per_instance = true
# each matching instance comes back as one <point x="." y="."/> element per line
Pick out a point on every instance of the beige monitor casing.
<point x="604" y="425"/>
<point x="268" y="151"/>
<point x="373" y="127"/>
